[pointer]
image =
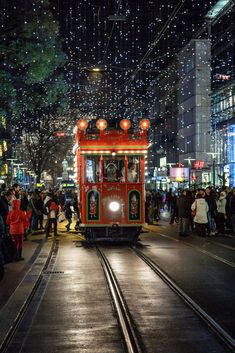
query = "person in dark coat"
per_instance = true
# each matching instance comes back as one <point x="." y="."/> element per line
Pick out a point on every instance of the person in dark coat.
<point x="4" y="206"/>
<point x="68" y="214"/>
<point x="2" y="232"/>
<point x="174" y="209"/>
<point x="184" y="213"/>
<point x="210" y="198"/>
<point x="232" y="211"/>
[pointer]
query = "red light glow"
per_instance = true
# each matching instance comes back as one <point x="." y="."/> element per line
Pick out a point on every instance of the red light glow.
<point x="82" y="124"/>
<point x="144" y="124"/>
<point x="59" y="133"/>
<point x="125" y="124"/>
<point x="101" y="124"/>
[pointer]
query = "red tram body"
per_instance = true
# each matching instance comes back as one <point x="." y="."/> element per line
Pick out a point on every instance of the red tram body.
<point x="110" y="168"/>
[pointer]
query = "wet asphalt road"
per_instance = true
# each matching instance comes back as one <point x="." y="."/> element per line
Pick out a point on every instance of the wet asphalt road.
<point x="76" y="312"/>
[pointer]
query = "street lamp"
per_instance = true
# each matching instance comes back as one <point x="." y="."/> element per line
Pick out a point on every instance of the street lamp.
<point x="189" y="159"/>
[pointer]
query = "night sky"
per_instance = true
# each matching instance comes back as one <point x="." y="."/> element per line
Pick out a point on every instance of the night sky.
<point x="131" y="53"/>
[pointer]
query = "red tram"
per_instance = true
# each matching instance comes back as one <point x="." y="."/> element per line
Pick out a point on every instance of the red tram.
<point x="110" y="166"/>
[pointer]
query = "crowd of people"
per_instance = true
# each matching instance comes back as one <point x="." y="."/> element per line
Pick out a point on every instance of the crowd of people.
<point x="23" y="213"/>
<point x="207" y="211"/>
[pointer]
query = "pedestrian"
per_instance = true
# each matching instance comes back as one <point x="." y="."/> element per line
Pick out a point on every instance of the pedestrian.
<point x="16" y="191"/>
<point x="76" y="211"/>
<point x="40" y="206"/>
<point x="36" y="213"/>
<point x="68" y="214"/>
<point x="210" y="198"/>
<point x="184" y="213"/>
<point x="221" y="209"/>
<point x="174" y="209"/>
<point x="2" y="232"/>
<point x="53" y="208"/>
<point x="232" y="210"/>
<point x="16" y="220"/>
<point x="5" y="200"/>
<point x="200" y="207"/>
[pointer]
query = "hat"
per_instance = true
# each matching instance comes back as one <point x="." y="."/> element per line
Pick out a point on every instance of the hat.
<point x="222" y="194"/>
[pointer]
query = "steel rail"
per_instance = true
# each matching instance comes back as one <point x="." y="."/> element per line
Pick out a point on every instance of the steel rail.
<point x="220" y="332"/>
<point x="12" y="331"/>
<point x="124" y="318"/>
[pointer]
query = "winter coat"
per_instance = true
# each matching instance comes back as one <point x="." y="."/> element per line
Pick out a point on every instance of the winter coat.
<point x="16" y="218"/>
<point x="232" y="204"/>
<point x="4" y="208"/>
<point x="2" y="228"/>
<point x="210" y="199"/>
<point x="202" y="208"/>
<point x="184" y="207"/>
<point x="221" y="203"/>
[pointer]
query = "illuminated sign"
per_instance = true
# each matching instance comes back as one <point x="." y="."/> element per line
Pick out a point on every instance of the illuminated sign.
<point x="59" y="133"/>
<point x="222" y="77"/>
<point x="68" y="185"/>
<point x="179" y="174"/>
<point x="198" y="164"/>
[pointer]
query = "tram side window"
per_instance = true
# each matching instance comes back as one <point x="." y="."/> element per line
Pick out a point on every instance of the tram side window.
<point x="133" y="175"/>
<point x="114" y="169"/>
<point x="92" y="169"/>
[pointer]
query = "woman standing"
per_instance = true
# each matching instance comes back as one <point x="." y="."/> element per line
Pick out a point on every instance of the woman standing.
<point x="200" y="207"/>
<point x="16" y="219"/>
<point x="221" y="212"/>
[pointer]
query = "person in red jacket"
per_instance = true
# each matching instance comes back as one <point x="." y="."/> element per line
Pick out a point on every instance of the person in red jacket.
<point x="16" y="219"/>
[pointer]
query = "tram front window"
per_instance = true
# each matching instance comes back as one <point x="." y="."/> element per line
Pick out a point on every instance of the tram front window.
<point x="93" y="169"/>
<point x="114" y="169"/>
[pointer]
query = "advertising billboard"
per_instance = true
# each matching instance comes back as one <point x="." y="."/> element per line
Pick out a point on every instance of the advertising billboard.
<point x="179" y="174"/>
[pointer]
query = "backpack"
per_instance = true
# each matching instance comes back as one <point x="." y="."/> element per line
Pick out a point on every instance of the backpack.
<point x="45" y="210"/>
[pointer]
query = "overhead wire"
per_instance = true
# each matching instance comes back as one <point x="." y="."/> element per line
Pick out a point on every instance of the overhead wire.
<point x="156" y="40"/>
<point x="111" y="33"/>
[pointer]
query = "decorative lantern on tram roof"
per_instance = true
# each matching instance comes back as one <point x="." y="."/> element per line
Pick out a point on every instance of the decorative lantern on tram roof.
<point x="101" y="124"/>
<point x="82" y="124"/>
<point x="144" y="124"/>
<point x="125" y="124"/>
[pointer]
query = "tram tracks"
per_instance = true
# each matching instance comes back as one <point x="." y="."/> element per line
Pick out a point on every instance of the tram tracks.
<point x="125" y="318"/>
<point x="30" y="305"/>
<point x="128" y="330"/>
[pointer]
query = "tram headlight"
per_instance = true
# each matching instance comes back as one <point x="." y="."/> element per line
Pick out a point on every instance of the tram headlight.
<point x="114" y="206"/>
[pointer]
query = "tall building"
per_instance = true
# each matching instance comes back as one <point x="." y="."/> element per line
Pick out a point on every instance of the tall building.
<point x="194" y="102"/>
<point x="223" y="98"/>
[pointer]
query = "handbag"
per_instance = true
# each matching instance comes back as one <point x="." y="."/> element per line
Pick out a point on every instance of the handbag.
<point x="194" y="212"/>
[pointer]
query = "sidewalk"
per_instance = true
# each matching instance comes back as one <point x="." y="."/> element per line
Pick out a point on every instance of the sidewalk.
<point x="15" y="271"/>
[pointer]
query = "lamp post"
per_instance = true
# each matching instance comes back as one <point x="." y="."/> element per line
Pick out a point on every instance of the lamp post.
<point x="189" y="159"/>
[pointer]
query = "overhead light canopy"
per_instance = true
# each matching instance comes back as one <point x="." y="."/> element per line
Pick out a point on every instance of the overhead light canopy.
<point x="217" y="8"/>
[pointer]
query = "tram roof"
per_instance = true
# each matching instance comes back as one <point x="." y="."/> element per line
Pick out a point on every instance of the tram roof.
<point x="113" y="139"/>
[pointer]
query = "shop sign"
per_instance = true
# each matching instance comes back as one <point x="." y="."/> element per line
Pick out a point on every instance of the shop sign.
<point x="198" y="164"/>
